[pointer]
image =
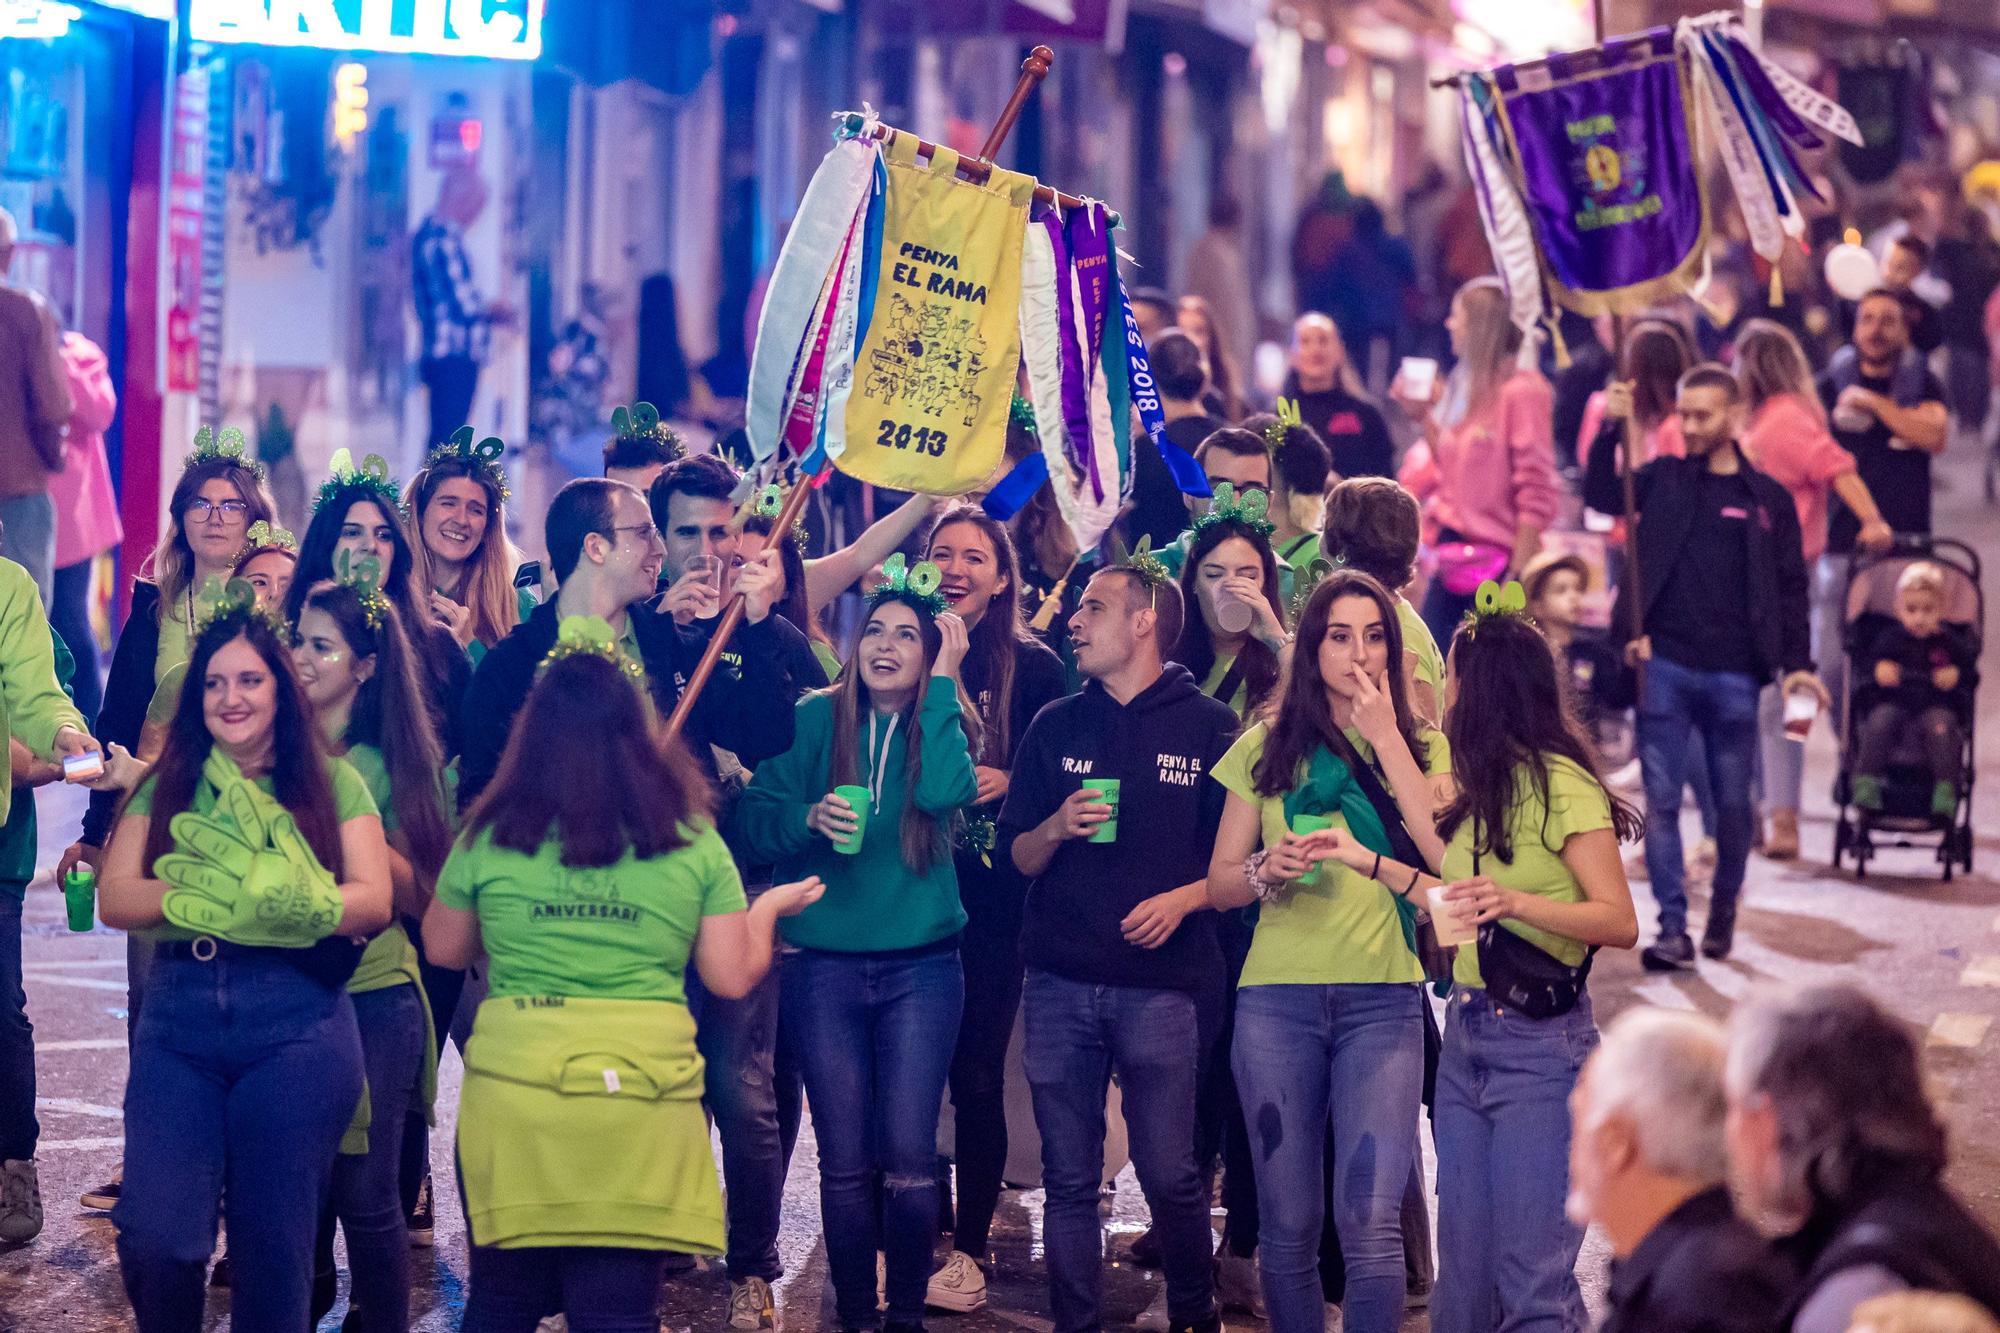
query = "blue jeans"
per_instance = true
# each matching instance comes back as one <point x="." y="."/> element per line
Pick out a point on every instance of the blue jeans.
<point x="738" y="1041"/>
<point x="1354" y="1053"/>
<point x="875" y="1035"/>
<point x="1722" y="707"/>
<point x="18" y="1127"/>
<point x="1506" y="1250"/>
<point x="29" y="537"/>
<point x="601" y="1290"/>
<point x="365" y="1193"/>
<point x="1076" y="1036"/>
<point x="245" y="1073"/>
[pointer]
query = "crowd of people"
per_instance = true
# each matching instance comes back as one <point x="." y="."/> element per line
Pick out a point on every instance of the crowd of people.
<point x="1218" y="811"/>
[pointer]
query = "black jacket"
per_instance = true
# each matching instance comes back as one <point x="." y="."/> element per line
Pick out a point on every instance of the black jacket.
<point x="1665" y="491"/>
<point x="1908" y="1224"/>
<point x="748" y="711"/>
<point x="128" y="692"/>
<point x="1702" y="1269"/>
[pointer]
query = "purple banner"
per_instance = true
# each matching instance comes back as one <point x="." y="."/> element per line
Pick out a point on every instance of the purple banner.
<point x="1609" y="178"/>
<point x="1090" y="255"/>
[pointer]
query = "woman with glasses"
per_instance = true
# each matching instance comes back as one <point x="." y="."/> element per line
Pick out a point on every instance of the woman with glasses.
<point x="220" y="494"/>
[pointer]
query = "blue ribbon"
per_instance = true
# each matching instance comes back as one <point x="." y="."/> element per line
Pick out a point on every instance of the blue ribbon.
<point x="1016" y="488"/>
<point x="1187" y="473"/>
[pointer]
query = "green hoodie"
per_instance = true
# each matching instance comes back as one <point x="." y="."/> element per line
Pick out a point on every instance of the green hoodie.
<point x="874" y="902"/>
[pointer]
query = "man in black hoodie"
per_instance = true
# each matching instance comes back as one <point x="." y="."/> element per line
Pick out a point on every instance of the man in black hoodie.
<point x="1724" y="611"/>
<point x="1116" y="937"/>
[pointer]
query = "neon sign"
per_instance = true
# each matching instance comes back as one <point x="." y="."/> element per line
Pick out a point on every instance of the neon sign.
<point x="39" y="20"/>
<point x="496" y="29"/>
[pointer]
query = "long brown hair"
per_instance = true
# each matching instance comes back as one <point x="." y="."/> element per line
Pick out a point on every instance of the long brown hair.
<point x="924" y="836"/>
<point x="392" y="713"/>
<point x="588" y="765"/>
<point x="1656" y="356"/>
<point x="487" y="588"/>
<point x="301" y="777"/>
<point x="996" y="642"/>
<point x="1195" y="646"/>
<point x="1510" y="710"/>
<point x="1490" y="345"/>
<point x="1303" y="720"/>
<point x="171" y="565"/>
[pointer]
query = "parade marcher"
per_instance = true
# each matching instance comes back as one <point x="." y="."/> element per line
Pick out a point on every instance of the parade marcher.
<point x="1531" y="858"/>
<point x="254" y="863"/>
<point x="1158" y="510"/>
<point x="1485" y="469"/>
<point x="1787" y="438"/>
<point x="1241" y="459"/>
<point x="1888" y="411"/>
<point x="1656" y="356"/>
<point x="1009" y="675"/>
<point x="1724" y="611"/>
<point x="590" y="874"/>
<point x="33" y="666"/>
<point x="1647" y="1163"/>
<point x="363" y="682"/>
<point x="1300" y="471"/>
<point x="1834" y="1144"/>
<point x="219" y="496"/>
<point x="1117" y="942"/>
<point x="796" y="605"/>
<point x="1328" y="1019"/>
<point x="1374" y="524"/>
<point x="465" y="564"/>
<point x="1234" y="638"/>
<point x="639" y="448"/>
<point x="1331" y="399"/>
<point x="866" y="799"/>
<point x="358" y="511"/>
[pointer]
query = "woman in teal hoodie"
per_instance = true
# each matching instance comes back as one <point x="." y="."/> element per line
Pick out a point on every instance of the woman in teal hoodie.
<point x="882" y="759"/>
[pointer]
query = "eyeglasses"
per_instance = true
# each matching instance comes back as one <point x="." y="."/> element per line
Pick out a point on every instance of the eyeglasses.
<point x="641" y="528"/>
<point x="201" y="509"/>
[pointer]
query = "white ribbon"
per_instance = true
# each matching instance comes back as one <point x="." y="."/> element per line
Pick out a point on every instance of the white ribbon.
<point x="812" y="248"/>
<point x="1508" y="231"/>
<point x="1087" y="518"/>
<point x="837" y="372"/>
<point x="1738" y="151"/>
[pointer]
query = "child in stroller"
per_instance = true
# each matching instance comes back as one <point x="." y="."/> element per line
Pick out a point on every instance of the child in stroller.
<point x="1923" y="671"/>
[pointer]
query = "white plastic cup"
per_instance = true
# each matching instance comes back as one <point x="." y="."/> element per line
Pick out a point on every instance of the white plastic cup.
<point x="1450" y="929"/>
<point x="1233" y="615"/>
<point x="1800" y="710"/>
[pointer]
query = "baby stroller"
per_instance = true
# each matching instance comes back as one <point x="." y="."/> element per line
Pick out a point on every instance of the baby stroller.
<point x="1906" y="818"/>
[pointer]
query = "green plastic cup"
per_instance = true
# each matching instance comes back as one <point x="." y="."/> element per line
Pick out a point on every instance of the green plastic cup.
<point x="1107" y="790"/>
<point x="857" y="800"/>
<point x="80" y="895"/>
<point x="1307" y="825"/>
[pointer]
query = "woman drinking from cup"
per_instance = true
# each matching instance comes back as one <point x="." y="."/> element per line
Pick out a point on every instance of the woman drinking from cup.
<point x="1532" y="862"/>
<point x="865" y="800"/>
<point x="255" y="864"/>
<point x="1328" y="1013"/>
<point x="591" y="875"/>
<point x="1234" y="646"/>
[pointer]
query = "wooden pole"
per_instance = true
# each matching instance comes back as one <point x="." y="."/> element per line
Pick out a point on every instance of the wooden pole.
<point x="1033" y="70"/>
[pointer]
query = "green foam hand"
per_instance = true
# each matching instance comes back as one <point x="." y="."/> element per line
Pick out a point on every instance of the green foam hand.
<point x="244" y="873"/>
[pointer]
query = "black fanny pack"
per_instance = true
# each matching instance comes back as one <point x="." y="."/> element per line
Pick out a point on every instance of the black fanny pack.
<point x="1524" y="976"/>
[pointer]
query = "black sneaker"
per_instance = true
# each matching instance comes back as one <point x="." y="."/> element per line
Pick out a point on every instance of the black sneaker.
<point x="423" y="1228"/>
<point x="1716" y="943"/>
<point x="105" y="1197"/>
<point x="1669" y="953"/>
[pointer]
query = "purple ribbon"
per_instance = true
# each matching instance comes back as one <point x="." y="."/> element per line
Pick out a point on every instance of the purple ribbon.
<point x="1088" y="236"/>
<point x="1076" y="447"/>
<point x="1789" y="122"/>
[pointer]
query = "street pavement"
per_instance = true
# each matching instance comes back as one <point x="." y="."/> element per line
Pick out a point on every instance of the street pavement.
<point x="1929" y="949"/>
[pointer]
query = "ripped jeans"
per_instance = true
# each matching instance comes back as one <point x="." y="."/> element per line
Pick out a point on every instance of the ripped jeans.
<point x="875" y="1034"/>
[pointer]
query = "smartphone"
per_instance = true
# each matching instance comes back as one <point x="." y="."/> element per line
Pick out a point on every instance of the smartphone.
<point x="83" y="767"/>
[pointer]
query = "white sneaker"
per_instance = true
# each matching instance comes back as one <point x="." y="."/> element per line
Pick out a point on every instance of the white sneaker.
<point x="1238" y="1285"/>
<point x="959" y="1286"/>
<point x="555" y="1323"/>
<point x="21" y="1202"/>
<point x="1153" y="1319"/>
<point x="750" y="1304"/>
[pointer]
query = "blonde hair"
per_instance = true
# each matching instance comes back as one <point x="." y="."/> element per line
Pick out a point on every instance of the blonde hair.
<point x="487" y="585"/>
<point x="1489" y="350"/>
<point x="1921" y="576"/>
<point x="1922" y="1312"/>
<point x="1770" y="362"/>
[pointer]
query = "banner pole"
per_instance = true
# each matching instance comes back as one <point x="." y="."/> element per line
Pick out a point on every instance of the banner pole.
<point x="1033" y="70"/>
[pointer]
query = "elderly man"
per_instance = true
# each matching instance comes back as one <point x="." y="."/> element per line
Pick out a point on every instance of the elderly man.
<point x="1834" y="1143"/>
<point x="1647" y="1164"/>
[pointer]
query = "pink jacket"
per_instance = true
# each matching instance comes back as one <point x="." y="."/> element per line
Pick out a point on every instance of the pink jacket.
<point x="1795" y="449"/>
<point x="1495" y="469"/>
<point x="86" y="507"/>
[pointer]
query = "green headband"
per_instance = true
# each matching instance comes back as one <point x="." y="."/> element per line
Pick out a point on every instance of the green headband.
<point x="914" y="587"/>
<point x="372" y="475"/>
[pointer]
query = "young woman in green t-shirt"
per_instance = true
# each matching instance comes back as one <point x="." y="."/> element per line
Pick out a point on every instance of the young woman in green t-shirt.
<point x="1328" y="1014"/>
<point x="1532" y="845"/>
<point x="591" y="875"/>
<point x="361" y="679"/>
<point x="1230" y="560"/>
<point x="255" y="862"/>
<point x="874" y="995"/>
